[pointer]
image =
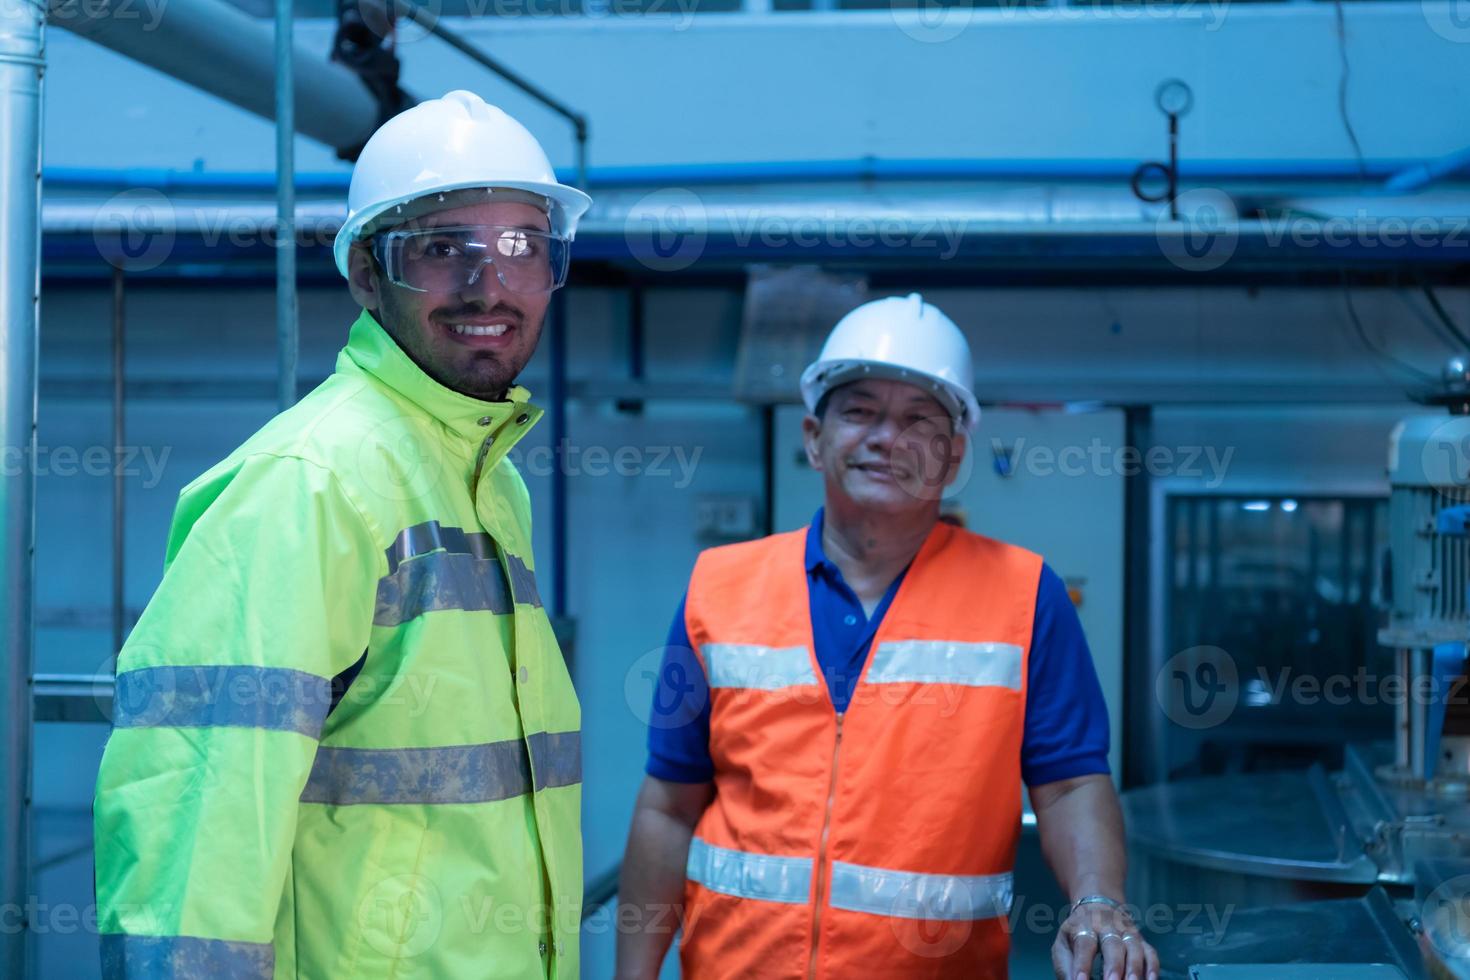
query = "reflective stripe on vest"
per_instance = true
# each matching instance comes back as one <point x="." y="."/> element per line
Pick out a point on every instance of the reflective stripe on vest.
<point x="745" y="875"/>
<point x="442" y="580"/>
<point x="944" y="662"/>
<point x="856" y="887"/>
<point x="236" y="696"/>
<point x="762" y="668"/>
<point x="556" y="758"/>
<point x="185" y="958"/>
<point x="915" y="895"/>
<point x="448" y="774"/>
<point x="433" y="567"/>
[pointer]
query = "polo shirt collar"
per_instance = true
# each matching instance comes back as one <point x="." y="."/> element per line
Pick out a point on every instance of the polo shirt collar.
<point x="816" y="558"/>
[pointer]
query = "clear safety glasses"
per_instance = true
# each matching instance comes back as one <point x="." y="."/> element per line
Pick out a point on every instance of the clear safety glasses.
<point x="446" y="260"/>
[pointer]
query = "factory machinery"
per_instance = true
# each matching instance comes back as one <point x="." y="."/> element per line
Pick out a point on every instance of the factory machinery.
<point x="1362" y="873"/>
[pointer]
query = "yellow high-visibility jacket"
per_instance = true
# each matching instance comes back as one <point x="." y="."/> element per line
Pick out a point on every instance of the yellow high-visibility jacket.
<point x="345" y="743"/>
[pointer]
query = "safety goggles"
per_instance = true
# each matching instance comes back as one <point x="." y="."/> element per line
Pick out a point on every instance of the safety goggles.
<point x="448" y="259"/>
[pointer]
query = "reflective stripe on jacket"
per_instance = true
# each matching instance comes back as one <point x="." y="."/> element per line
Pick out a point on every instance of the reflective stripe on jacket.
<point x="878" y="843"/>
<point x="345" y="742"/>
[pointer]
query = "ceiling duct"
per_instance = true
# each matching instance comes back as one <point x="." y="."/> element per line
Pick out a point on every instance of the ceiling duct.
<point x="220" y="49"/>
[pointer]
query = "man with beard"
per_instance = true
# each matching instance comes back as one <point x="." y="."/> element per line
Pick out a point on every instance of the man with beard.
<point x="344" y="733"/>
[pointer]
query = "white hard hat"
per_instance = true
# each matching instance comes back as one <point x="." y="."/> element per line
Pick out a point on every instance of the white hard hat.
<point x="901" y="339"/>
<point x="449" y="144"/>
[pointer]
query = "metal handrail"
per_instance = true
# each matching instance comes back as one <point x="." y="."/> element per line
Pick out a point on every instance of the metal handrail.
<point x="73" y="697"/>
<point x="600" y="891"/>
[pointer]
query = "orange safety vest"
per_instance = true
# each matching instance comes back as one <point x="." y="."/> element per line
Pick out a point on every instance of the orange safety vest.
<point x="878" y="843"/>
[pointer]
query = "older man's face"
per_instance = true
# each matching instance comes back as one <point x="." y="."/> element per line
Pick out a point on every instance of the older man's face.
<point x="884" y="445"/>
<point x="423" y="323"/>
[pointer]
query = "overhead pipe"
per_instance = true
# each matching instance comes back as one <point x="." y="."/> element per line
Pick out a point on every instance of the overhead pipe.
<point x="163" y="180"/>
<point x="22" y="62"/>
<point x="765" y="172"/>
<point x="220" y="49"/>
<point x="1421" y="175"/>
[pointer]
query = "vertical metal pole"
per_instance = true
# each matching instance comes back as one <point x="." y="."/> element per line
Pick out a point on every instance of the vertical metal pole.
<point x="1402" y="726"/>
<point x="1173" y="167"/>
<point x="636" y="332"/>
<point x="1142" y="725"/>
<point x="118" y="434"/>
<point x="1418" y="712"/>
<point x="286" y="330"/>
<point x="768" y="465"/>
<point x="558" y="398"/>
<point x="582" y="135"/>
<point x="22" y="61"/>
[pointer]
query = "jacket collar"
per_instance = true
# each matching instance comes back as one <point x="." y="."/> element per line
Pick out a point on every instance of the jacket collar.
<point x="371" y="349"/>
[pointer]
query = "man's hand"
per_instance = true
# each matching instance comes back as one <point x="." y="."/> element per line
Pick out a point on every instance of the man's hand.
<point x="1081" y="827"/>
<point x="1097" y="928"/>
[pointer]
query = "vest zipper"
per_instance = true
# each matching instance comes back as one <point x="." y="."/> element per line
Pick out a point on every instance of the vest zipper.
<point x="822" y="851"/>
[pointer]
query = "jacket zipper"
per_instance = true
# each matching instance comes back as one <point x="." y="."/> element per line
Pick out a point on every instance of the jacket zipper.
<point x="822" y="851"/>
<point x="479" y="464"/>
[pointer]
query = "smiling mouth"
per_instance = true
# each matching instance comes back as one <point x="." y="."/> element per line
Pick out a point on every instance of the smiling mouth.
<point x="881" y="470"/>
<point x="478" y="330"/>
<point x="495" y="332"/>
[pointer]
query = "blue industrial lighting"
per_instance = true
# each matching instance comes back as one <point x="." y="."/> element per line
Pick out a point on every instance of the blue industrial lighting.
<point x="1289" y="506"/>
<point x="1256" y="505"/>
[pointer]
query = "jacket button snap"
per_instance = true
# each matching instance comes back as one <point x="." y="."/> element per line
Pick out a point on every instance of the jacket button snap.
<point x="523" y="675"/>
<point x="486" y="420"/>
<point x="522" y="419"/>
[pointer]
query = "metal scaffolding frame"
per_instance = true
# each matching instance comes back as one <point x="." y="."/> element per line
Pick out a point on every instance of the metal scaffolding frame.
<point x="22" y="64"/>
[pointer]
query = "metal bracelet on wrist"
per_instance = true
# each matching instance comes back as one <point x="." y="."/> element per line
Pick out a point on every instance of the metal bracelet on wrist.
<point x="1093" y="900"/>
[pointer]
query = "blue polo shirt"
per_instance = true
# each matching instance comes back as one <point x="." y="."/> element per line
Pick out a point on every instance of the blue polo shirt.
<point x="1066" y="732"/>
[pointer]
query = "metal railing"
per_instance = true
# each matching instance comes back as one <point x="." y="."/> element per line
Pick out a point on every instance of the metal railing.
<point x="600" y="891"/>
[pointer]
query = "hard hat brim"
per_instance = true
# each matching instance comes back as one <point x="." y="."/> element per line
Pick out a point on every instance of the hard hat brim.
<point x="568" y="206"/>
<point x="821" y="377"/>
